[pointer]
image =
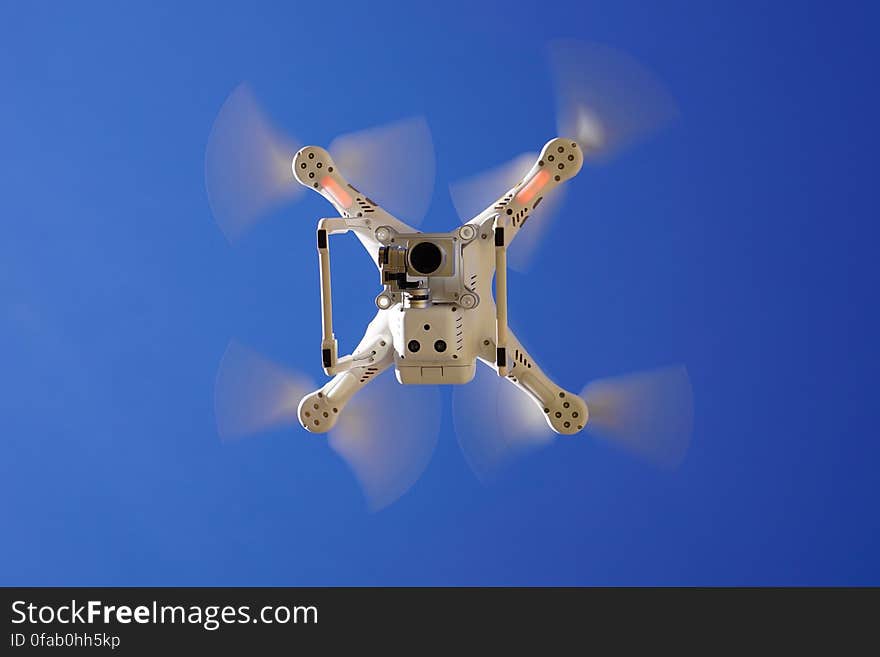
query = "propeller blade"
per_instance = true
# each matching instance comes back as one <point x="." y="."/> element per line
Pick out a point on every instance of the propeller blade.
<point x="473" y="195"/>
<point x="247" y="165"/>
<point x="393" y="164"/>
<point x="253" y="394"/>
<point x="606" y="100"/>
<point x="650" y="414"/>
<point x="387" y="435"/>
<point x="496" y="424"/>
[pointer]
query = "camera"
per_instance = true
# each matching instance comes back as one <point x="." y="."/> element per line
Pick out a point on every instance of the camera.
<point x="416" y="256"/>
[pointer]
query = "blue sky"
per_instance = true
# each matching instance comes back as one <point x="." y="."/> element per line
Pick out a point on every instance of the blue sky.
<point x="741" y="241"/>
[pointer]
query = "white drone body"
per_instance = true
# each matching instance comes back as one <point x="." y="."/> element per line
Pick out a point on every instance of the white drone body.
<point x="436" y="313"/>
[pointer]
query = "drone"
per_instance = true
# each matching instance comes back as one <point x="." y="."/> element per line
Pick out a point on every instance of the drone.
<point x="442" y="304"/>
<point x="437" y="315"/>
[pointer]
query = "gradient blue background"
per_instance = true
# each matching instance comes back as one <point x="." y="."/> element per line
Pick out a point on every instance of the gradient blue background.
<point x="742" y="241"/>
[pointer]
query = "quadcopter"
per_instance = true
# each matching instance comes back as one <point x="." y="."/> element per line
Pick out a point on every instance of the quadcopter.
<point x="442" y="304"/>
<point x="437" y="315"/>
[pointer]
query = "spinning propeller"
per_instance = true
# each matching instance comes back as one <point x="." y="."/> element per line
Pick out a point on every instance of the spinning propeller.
<point x="605" y="100"/>
<point x="387" y="434"/>
<point x="649" y="414"/>
<point x="248" y="174"/>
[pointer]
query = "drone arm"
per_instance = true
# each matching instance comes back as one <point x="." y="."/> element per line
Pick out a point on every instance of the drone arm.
<point x="314" y="168"/>
<point x="319" y="411"/>
<point x="559" y="161"/>
<point x="564" y="411"/>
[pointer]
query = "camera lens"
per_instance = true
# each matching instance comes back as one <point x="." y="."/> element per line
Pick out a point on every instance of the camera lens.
<point x="425" y="257"/>
<point x="414" y="346"/>
<point x="440" y="346"/>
